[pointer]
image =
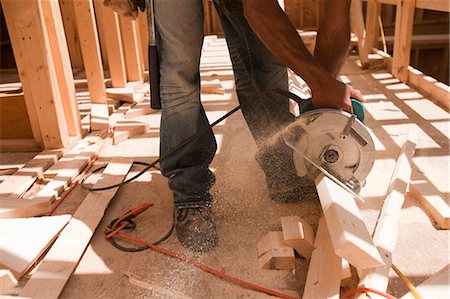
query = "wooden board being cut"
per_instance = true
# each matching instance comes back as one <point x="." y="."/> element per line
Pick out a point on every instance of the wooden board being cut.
<point x="25" y="239"/>
<point x="7" y="281"/>
<point x="62" y="259"/>
<point x="349" y="234"/>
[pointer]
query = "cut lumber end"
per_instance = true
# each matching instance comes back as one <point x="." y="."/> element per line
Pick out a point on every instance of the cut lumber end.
<point x="271" y="240"/>
<point x="298" y="234"/>
<point x="127" y="129"/>
<point x="277" y="259"/>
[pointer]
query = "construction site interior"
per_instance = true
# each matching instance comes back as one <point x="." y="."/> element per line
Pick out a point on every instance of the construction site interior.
<point x="75" y="110"/>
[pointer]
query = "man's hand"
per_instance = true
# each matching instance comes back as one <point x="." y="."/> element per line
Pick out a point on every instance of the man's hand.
<point x="335" y="94"/>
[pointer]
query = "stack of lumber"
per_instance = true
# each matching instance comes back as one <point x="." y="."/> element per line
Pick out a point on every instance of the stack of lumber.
<point x="27" y="242"/>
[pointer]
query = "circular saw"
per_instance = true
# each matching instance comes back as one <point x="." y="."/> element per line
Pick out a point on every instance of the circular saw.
<point x="333" y="142"/>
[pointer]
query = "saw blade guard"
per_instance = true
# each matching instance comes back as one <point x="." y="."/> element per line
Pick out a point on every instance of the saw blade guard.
<point x="335" y="141"/>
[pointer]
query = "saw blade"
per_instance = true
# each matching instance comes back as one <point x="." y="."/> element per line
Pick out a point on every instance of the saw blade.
<point x="329" y="175"/>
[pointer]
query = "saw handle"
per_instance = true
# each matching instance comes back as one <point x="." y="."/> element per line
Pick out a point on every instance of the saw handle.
<point x="358" y="108"/>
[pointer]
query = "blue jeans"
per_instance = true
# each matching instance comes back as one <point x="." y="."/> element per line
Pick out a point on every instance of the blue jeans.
<point x="180" y="37"/>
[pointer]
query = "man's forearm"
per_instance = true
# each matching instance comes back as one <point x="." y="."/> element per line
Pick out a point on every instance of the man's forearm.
<point x="333" y="38"/>
<point x="277" y="32"/>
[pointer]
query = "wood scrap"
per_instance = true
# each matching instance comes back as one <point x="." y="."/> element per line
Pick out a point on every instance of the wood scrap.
<point x="139" y="109"/>
<point x="126" y="129"/>
<point x="24" y="240"/>
<point x="55" y="269"/>
<point x="8" y="171"/>
<point x="298" y="234"/>
<point x="125" y="94"/>
<point x="99" y="117"/>
<point x="324" y="272"/>
<point x="18" y="183"/>
<point x="155" y="289"/>
<point x="213" y="86"/>
<point x="15" y="208"/>
<point x="7" y="281"/>
<point x="274" y="254"/>
<point x="350" y="237"/>
<point x="282" y="258"/>
<point x="436" y="287"/>
<point x="270" y="241"/>
<point x="386" y="229"/>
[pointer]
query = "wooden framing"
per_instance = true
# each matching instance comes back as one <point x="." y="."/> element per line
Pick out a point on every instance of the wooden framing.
<point x="372" y="27"/>
<point x="63" y="257"/>
<point x="90" y="47"/>
<point x="42" y="95"/>
<point x="70" y="29"/>
<point x="134" y="63"/>
<point x="60" y="52"/>
<point x="403" y="33"/>
<point x="358" y="27"/>
<point x="113" y="41"/>
<point x="143" y="31"/>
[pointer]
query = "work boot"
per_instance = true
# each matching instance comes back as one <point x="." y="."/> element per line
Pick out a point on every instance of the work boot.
<point x="196" y="228"/>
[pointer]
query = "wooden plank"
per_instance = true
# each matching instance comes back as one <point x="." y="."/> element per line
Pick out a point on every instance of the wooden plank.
<point x="143" y="31"/>
<point x="404" y="20"/>
<point x="90" y="47"/>
<point x="7" y="281"/>
<point x="436" y="287"/>
<point x="60" y="262"/>
<point x="357" y="21"/>
<point x="71" y="32"/>
<point x="30" y="40"/>
<point x="350" y="237"/>
<point x="17" y="208"/>
<point x="113" y="41"/>
<point x="65" y="175"/>
<point x="139" y="109"/>
<point x="14" y="120"/>
<point x="324" y="273"/>
<point x="440" y="5"/>
<point x="102" y="29"/>
<point x="60" y="53"/>
<point x="132" y="48"/>
<point x="433" y="201"/>
<point x="386" y="229"/>
<point x="24" y="240"/>
<point x="125" y="129"/>
<point x="17" y="184"/>
<point x="298" y="234"/>
<point x="211" y="85"/>
<point x="372" y="27"/>
<point x="19" y="145"/>
<point x="125" y="94"/>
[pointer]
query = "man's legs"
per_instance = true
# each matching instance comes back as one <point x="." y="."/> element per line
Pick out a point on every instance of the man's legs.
<point x="257" y="70"/>
<point x="180" y="36"/>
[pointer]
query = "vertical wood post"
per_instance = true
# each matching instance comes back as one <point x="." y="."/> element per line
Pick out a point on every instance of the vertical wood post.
<point x="90" y="47"/>
<point x="63" y="67"/>
<point x="372" y="27"/>
<point x="402" y="40"/>
<point x="29" y="38"/>
<point x="113" y="41"/>
<point x="143" y="32"/>
<point x="71" y="32"/>
<point x="357" y="23"/>
<point x="132" y="49"/>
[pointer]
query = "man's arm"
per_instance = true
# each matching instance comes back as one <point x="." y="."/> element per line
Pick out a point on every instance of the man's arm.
<point x="333" y="38"/>
<point x="274" y="28"/>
